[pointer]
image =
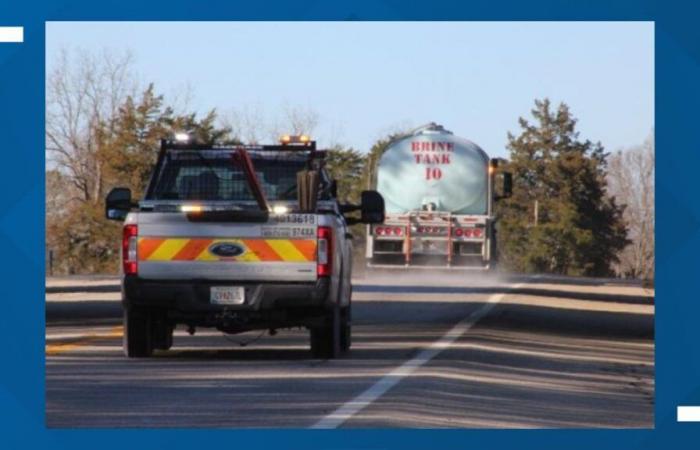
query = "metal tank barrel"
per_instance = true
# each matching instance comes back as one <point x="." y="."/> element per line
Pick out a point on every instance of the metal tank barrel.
<point x="432" y="169"/>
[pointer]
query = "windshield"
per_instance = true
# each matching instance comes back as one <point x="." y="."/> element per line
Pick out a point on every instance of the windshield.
<point x="214" y="175"/>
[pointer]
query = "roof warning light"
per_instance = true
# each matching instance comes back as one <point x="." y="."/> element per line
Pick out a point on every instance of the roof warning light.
<point x="295" y="139"/>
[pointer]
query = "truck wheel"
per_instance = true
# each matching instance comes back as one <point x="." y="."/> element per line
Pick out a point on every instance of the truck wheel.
<point x="345" y="328"/>
<point x="492" y="266"/>
<point x="137" y="333"/>
<point x="493" y="252"/>
<point x="162" y="332"/>
<point x="325" y="340"/>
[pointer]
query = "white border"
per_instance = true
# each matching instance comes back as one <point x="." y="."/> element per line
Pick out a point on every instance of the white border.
<point x="689" y="414"/>
<point x="12" y="34"/>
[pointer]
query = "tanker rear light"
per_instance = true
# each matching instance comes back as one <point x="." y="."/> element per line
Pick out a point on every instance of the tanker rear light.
<point x="389" y="231"/>
<point x="469" y="232"/>
<point x="431" y="230"/>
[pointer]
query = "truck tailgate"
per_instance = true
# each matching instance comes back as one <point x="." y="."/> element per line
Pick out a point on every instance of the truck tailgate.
<point x="170" y="247"/>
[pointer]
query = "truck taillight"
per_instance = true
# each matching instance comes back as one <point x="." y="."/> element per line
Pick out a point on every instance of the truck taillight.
<point x="469" y="232"/>
<point x="129" y="245"/>
<point x="388" y="231"/>
<point x="324" y="262"/>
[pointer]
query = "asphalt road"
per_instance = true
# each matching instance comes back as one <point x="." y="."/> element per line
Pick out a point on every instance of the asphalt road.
<point x="484" y="352"/>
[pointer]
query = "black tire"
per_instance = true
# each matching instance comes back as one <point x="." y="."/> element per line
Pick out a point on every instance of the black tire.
<point x="137" y="333"/>
<point x="345" y="328"/>
<point x="494" y="250"/>
<point x="325" y="339"/>
<point x="161" y="331"/>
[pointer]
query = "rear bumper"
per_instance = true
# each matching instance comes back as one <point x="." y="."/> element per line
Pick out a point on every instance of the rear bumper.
<point x="193" y="296"/>
<point x="457" y="262"/>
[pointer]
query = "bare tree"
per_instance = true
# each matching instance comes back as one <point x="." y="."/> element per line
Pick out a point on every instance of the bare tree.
<point x="181" y="98"/>
<point x="631" y="181"/>
<point x="301" y="120"/>
<point x="246" y="124"/>
<point x="83" y="94"/>
<point x="295" y="120"/>
<point x="251" y="125"/>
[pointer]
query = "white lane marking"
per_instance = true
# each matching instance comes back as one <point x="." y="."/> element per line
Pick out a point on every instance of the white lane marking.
<point x="11" y="34"/>
<point x="357" y="404"/>
<point x="688" y="414"/>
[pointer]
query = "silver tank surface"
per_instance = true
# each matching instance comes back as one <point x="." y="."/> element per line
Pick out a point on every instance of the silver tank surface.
<point x="432" y="169"/>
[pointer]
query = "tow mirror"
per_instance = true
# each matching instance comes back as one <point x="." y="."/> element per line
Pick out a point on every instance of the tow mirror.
<point x="372" y="207"/>
<point x="118" y="203"/>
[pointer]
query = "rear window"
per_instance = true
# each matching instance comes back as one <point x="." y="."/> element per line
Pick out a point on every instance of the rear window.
<point x="213" y="175"/>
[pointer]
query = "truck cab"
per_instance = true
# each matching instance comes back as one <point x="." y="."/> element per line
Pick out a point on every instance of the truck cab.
<point x="238" y="238"/>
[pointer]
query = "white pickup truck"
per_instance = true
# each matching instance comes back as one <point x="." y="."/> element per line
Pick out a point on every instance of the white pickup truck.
<point x="238" y="238"/>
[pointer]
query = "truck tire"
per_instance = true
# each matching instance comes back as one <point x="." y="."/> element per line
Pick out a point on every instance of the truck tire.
<point x="345" y="328"/>
<point x="137" y="333"/>
<point x="493" y="263"/>
<point x="325" y="340"/>
<point x="161" y="332"/>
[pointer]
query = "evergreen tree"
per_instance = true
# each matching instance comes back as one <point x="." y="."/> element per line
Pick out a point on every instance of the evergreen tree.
<point x="373" y="157"/>
<point x="140" y="125"/>
<point x="560" y="218"/>
<point x="346" y="166"/>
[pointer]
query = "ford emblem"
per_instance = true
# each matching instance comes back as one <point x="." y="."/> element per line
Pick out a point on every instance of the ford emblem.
<point x="226" y="249"/>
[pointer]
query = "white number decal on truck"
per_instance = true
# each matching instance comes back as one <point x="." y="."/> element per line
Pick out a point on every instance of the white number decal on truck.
<point x="301" y="219"/>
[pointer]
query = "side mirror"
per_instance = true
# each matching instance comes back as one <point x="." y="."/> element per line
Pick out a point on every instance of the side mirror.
<point x="372" y="207"/>
<point x="507" y="184"/>
<point x="118" y="203"/>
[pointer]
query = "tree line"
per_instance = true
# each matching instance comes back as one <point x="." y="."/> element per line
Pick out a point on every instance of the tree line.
<point x="576" y="209"/>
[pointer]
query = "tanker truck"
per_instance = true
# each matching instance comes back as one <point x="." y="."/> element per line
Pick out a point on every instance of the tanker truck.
<point x="439" y="192"/>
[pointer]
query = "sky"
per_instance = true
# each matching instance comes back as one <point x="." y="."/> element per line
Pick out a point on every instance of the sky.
<point x="367" y="79"/>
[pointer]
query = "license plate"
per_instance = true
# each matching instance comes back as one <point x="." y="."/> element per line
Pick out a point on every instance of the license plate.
<point x="227" y="295"/>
